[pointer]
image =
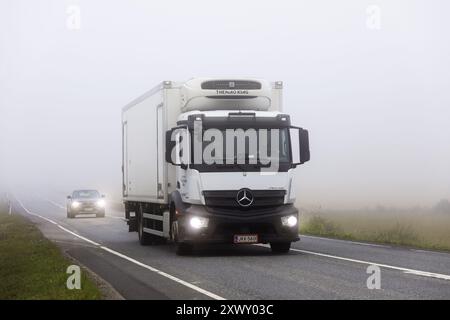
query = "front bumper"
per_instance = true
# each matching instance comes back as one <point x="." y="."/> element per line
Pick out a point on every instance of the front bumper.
<point x="93" y="210"/>
<point x="222" y="226"/>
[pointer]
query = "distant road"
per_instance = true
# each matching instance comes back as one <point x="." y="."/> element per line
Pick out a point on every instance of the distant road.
<point x="316" y="268"/>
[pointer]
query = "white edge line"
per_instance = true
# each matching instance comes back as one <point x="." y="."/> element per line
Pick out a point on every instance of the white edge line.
<point x="35" y="214"/>
<point x="162" y="273"/>
<point x="78" y="236"/>
<point x="347" y="241"/>
<point x="430" y="252"/>
<point x="405" y="270"/>
<point x="56" y="204"/>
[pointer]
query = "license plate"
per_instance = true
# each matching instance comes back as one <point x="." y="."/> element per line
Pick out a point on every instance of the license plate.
<point x="245" y="238"/>
<point x="88" y="209"/>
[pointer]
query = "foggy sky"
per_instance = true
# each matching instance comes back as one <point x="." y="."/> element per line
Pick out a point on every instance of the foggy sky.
<point x="376" y="102"/>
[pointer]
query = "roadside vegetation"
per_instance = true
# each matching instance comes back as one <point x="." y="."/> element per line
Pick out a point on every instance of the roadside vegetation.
<point x="417" y="227"/>
<point x="32" y="267"/>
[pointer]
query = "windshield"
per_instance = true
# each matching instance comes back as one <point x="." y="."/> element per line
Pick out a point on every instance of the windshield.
<point x="86" y="194"/>
<point x="244" y="150"/>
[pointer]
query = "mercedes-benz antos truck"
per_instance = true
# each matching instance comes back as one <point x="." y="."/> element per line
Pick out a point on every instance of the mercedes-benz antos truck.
<point x="212" y="161"/>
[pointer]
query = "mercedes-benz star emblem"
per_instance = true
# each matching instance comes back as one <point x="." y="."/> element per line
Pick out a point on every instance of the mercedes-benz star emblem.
<point x="244" y="197"/>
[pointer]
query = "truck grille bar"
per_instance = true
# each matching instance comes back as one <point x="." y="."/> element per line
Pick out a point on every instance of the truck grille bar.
<point x="228" y="199"/>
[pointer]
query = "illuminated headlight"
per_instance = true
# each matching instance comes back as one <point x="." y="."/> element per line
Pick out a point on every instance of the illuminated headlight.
<point x="101" y="203"/>
<point x="289" y="221"/>
<point x="198" y="222"/>
<point x="75" y="204"/>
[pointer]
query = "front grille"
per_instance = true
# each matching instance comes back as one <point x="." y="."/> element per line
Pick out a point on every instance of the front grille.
<point x="87" y="205"/>
<point x="261" y="199"/>
<point x="231" y="84"/>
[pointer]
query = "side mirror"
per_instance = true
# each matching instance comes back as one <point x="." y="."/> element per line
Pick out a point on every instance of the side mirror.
<point x="69" y="197"/>
<point x="177" y="146"/>
<point x="170" y="146"/>
<point x="103" y="196"/>
<point x="299" y="145"/>
<point x="304" y="146"/>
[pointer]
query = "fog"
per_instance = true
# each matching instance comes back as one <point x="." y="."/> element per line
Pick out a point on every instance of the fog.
<point x="369" y="79"/>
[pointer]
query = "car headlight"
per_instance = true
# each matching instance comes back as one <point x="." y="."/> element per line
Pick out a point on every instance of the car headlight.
<point x="289" y="221"/>
<point x="75" y="204"/>
<point x="101" y="203"/>
<point x="198" y="222"/>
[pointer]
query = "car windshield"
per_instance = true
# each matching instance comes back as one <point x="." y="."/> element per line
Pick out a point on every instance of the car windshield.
<point x="86" y="194"/>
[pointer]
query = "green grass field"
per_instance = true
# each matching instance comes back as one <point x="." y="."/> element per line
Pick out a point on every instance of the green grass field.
<point x="425" y="231"/>
<point x="32" y="267"/>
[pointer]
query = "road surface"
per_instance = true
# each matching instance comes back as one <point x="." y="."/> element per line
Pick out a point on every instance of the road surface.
<point x="315" y="268"/>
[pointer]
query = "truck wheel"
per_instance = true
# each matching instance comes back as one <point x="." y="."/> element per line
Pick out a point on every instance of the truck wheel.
<point x="144" y="237"/>
<point x="182" y="249"/>
<point x="280" y="247"/>
<point x="70" y="215"/>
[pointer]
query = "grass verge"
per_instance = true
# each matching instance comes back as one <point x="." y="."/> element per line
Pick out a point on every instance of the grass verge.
<point x="424" y="232"/>
<point x="32" y="267"/>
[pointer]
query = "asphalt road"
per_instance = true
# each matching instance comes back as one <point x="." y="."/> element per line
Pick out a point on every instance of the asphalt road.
<point x="315" y="268"/>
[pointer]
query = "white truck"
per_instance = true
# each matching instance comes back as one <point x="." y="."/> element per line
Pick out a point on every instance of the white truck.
<point x="211" y="161"/>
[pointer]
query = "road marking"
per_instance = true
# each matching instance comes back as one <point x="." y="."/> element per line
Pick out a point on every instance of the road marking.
<point x="348" y="241"/>
<point x="35" y="214"/>
<point x="185" y="283"/>
<point x="55" y="204"/>
<point x="79" y="236"/>
<point x="428" y="252"/>
<point x="52" y="202"/>
<point x="405" y="270"/>
<point x="162" y="273"/>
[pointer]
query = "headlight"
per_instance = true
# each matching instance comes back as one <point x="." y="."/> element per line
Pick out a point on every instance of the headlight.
<point x="101" y="203"/>
<point x="198" y="222"/>
<point x="75" y="204"/>
<point x="289" y="221"/>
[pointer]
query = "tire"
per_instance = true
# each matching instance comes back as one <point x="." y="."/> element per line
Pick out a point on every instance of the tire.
<point x="144" y="238"/>
<point x="280" y="247"/>
<point x="100" y="215"/>
<point x="70" y="215"/>
<point x="181" y="249"/>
